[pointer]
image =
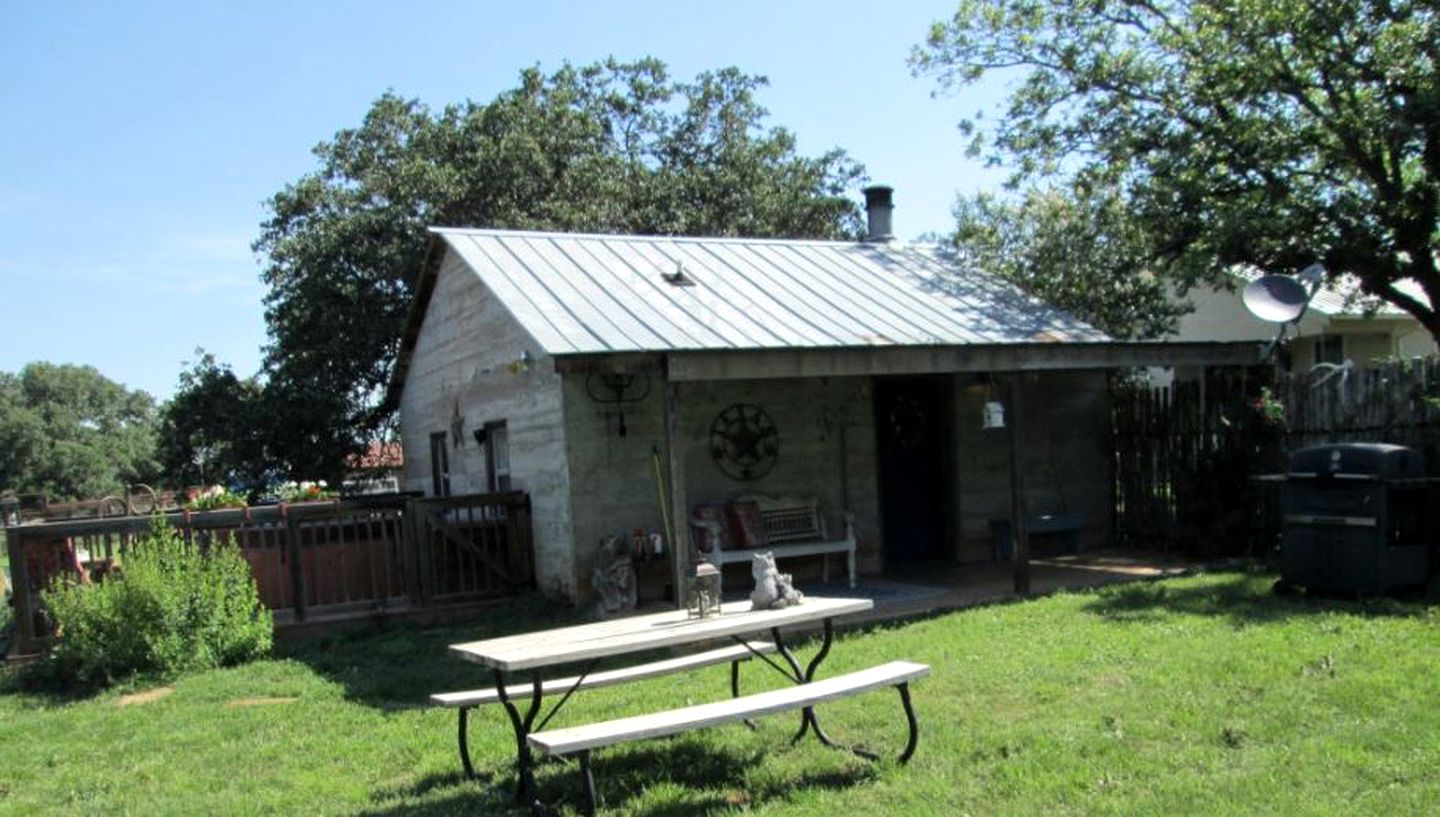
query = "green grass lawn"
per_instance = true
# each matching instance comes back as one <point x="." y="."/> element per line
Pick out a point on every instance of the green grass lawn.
<point x="1203" y="695"/>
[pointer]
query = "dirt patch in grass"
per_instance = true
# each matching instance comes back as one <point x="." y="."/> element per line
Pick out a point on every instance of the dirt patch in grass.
<point x="258" y="702"/>
<point x="145" y="697"/>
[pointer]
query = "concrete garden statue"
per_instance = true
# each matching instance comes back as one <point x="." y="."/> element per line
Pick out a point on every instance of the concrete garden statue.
<point x="613" y="577"/>
<point x="773" y="590"/>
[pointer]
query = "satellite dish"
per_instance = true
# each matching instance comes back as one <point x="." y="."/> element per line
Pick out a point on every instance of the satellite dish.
<point x="1275" y="298"/>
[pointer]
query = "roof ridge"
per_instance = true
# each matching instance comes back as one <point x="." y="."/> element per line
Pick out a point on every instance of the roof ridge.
<point x="499" y="232"/>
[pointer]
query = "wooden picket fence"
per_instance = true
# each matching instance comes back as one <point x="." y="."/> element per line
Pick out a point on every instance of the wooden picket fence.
<point x="1190" y="460"/>
<point x="1396" y="402"/>
<point x="370" y="556"/>
<point x="1182" y="459"/>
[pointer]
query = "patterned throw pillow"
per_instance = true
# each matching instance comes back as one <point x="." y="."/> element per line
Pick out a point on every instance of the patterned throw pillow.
<point x="747" y="529"/>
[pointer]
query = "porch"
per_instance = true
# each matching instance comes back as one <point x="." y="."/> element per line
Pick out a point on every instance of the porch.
<point x="923" y="588"/>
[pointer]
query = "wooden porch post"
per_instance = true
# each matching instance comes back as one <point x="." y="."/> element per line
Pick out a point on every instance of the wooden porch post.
<point x="1021" y="547"/>
<point x="679" y="518"/>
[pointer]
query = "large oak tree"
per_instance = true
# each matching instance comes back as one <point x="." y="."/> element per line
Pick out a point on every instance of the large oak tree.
<point x="68" y="432"/>
<point x="611" y="147"/>
<point x="1269" y="133"/>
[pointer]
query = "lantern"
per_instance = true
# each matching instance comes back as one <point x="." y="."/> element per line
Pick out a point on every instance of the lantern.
<point x="703" y="598"/>
<point x="994" y="415"/>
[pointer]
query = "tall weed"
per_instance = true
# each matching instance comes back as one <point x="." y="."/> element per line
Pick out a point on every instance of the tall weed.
<point x="176" y="607"/>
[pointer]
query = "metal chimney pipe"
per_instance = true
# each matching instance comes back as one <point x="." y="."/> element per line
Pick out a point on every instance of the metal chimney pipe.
<point x="878" y="212"/>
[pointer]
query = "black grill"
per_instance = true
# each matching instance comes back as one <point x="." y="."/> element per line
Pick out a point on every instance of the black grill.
<point x="1354" y="519"/>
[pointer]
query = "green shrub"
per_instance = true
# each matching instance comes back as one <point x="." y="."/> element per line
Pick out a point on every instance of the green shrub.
<point x="175" y="607"/>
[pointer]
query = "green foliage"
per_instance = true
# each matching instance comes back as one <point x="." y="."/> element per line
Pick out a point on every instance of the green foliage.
<point x="70" y="433"/>
<point x="1206" y="695"/>
<point x="213" y="498"/>
<point x="304" y="491"/>
<point x="212" y="430"/>
<point x="176" y="608"/>
<point x="1269" y="133"/>
<point x="610" y="147"/>
<point x="1270" y="407"/>
<point x="1078" y="250"/>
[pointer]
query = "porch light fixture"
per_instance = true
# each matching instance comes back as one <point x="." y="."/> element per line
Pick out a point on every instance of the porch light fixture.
<point x="992" y="415"/>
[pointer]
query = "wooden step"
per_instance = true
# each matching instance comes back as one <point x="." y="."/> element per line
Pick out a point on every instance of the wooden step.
<point x="733" y="652"/>
<point x="659" y="724"/>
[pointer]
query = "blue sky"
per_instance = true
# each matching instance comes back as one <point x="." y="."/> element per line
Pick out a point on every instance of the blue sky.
<point x="140" y="140"/>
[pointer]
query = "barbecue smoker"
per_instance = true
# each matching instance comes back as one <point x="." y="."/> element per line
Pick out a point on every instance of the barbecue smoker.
<point x="1355" y="519"/>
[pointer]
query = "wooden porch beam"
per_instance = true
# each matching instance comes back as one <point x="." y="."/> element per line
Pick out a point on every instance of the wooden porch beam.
<point x="854" y="362"/>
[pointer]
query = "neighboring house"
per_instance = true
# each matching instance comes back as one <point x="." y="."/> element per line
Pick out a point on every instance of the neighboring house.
<point x="1336" y="327"/>
<point x="621" y="379"/>
<point x="376" y="470"/>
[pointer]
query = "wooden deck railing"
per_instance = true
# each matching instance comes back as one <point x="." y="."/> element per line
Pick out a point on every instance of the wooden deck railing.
<point x="373" y="554"/>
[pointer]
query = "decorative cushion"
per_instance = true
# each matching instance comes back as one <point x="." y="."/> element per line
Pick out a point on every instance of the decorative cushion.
<point x="710" y="528"/>
<point x="747" y="528"/>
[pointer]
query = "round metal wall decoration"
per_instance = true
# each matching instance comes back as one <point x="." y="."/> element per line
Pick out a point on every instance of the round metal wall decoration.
<point x="744" y="442"/>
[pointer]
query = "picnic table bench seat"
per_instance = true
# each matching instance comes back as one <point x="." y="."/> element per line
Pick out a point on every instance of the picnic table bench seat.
<point x="582" y="739"/>
<point x="793" y="528"/>
<point x="465" y="700"/>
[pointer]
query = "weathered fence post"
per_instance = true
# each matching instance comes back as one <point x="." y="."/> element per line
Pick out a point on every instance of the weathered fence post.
<point x="418" y="554"/>
<point x="21" y="592"/>
<point x="297" y="569"/>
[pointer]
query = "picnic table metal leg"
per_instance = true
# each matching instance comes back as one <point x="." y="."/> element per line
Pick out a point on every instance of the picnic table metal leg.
<point x="735" y="691"/>
<point x="587" y="779"/>
<point x="808" y="720"/>
<point x="524" y="761"/>
<point x="910" y="718"/>
<point x="464" y="743"/>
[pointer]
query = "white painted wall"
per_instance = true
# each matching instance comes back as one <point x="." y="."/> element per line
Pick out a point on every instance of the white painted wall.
<point x="464" y="360"/>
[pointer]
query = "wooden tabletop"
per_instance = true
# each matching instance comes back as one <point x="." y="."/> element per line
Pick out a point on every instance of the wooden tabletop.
<point x="637" y="633"/>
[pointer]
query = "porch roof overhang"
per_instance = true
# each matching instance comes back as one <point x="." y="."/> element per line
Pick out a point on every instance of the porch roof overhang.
<point x="763" y="364"/>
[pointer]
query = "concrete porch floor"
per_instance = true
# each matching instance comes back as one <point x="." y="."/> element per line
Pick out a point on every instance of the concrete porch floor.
<point x="929" y="587"/>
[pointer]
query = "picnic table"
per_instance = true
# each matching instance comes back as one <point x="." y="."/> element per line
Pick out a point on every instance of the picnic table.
<point x="518" y="661"/>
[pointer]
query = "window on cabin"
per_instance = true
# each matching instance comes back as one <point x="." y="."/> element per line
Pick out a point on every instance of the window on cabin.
<point x="497" y="457"/>
<point x="439" y="464"/>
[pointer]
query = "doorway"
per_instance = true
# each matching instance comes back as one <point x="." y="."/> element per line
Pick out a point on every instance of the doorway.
<point x="913" y="420"/>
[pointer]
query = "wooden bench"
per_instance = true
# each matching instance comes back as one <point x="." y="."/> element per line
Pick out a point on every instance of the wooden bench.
<point x="466" y="700"/>
<point x="1069" y="525"/>
<point x="582" y="739"/>
<point x="793" y="528"/>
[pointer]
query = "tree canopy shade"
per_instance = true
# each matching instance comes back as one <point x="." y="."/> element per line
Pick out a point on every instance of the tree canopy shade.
<point x="1272" y="133"/>
<point x="213" y="431"/>
<point x="1078" y="251"/>
<point x="70" y="433"/>
<point x="611" y="147"/>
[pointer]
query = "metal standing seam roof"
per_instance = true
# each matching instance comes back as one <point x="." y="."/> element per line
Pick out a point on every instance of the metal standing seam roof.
<point x="588" y="294"/>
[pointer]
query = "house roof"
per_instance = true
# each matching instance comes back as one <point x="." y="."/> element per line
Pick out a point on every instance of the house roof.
<point x="589" y="294"/>
<point x="816" y="307"/>
<point x="378" y="456"/>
